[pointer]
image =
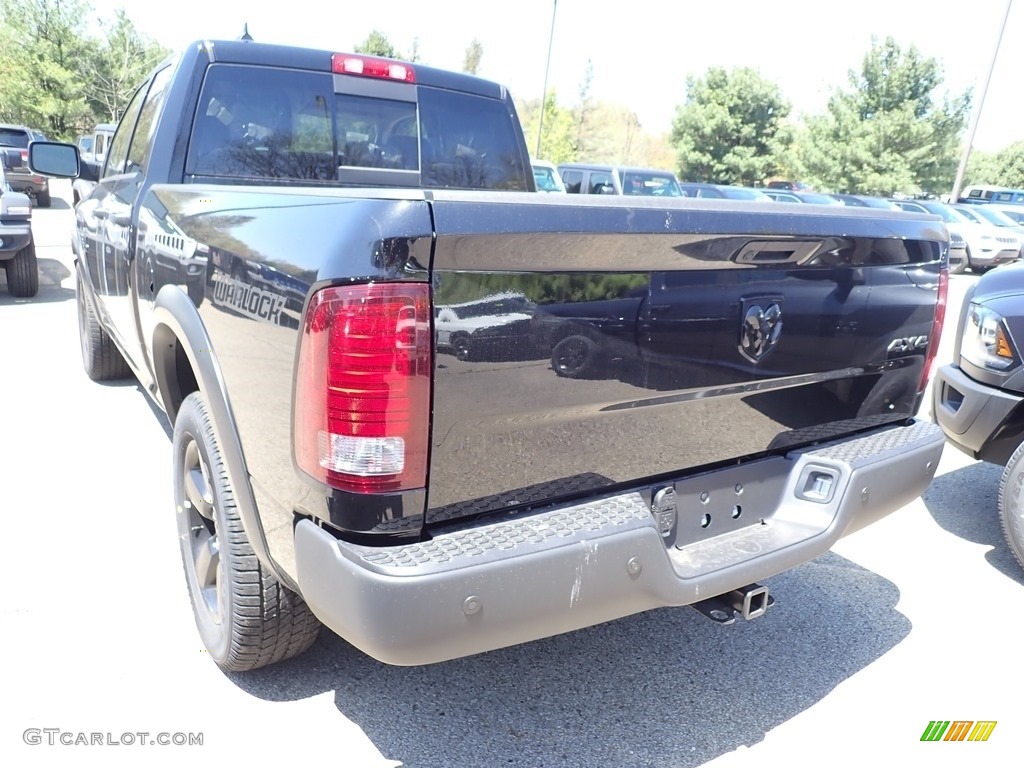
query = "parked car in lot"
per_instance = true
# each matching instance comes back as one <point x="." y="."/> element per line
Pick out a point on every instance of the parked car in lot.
<point x="797" y="196"/>
<point x="991" y="214"/>
<point x="546" y="176"/>
<point x="591" y="179"/>
<point x="17" y="249"/>
<point x="1006" y="230"/>
<point x="21" y="178"/>
<point x="474" y="330"/>
<point x="985" y="248"/>
<point x="864" y="201"/>
<point x="978" y="399"/>
<point x="93" y="160"/>
<point x="796" y="186"/>
<point x="1015" y="212"/>
<point x="723" y="191"/>
<point x="85" y="145"/>
<point x="985" y="193"/>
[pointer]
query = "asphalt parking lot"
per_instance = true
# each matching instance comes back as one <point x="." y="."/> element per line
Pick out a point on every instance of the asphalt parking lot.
<point x="911" y="620"/>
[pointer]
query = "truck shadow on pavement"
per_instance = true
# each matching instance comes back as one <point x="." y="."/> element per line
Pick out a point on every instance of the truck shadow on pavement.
<point x="667" y="687"/>
<point x="965" y="503"/>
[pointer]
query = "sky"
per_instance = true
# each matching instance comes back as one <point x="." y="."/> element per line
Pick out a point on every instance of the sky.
<point x="641" y="51"/>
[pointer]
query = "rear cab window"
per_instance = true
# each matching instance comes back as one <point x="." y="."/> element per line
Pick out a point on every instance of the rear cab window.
<point x="299" y="126"/>
<point x="13" y="137"/>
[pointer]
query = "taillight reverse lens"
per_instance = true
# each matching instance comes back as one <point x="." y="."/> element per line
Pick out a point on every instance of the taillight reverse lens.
<point x="362" y="398"/>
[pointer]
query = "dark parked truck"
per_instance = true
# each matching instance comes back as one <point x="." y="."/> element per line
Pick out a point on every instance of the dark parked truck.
<point x="978" y="399"/>
<point x="275" y="246"/>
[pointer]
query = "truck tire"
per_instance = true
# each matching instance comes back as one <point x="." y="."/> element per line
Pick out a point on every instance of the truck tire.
<point x="23" y="273"/>
<point x="101" y="359"/>
<point x="1011" y="503"/>
<point x="246" y="618"/>
<point x="43" y="198"/>
<point x="574" y="357"/>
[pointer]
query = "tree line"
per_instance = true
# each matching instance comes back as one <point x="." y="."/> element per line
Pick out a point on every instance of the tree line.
<point x="887" y="130"/>
<point x="57" y="77"/>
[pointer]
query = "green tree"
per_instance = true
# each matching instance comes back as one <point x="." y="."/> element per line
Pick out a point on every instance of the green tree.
<point x="1004" y="168"/>
<point x="888" y="131"/>
<point x="556" y="144"/>
<point x="377" y="44"/>
<point x="982" y="168"/>
<point x="471" y="62"/>
<point x="120" y="63"/>
<point x="732" y="128"/>
<point x="42" y="48"/>
<point x="613" y="134"/>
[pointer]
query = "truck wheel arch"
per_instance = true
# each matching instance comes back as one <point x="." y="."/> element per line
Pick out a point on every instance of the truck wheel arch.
<point x="184" y="361"/>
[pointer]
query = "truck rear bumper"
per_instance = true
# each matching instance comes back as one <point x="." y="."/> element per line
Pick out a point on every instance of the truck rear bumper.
<point x="496" y="585"/>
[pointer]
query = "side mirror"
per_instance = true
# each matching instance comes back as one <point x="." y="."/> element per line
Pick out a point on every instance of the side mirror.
<point x="11" y="158"/>
<point x="51" y="158"/>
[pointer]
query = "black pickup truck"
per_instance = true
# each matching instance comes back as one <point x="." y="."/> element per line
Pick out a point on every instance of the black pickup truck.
<point x="278" y="238"/>
<point x="978" y="398"/>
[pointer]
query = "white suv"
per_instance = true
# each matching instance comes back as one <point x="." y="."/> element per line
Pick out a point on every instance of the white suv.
<point x="986" y="247"/>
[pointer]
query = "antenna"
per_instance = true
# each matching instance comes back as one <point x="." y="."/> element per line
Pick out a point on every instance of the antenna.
<point x="245" y="32"/>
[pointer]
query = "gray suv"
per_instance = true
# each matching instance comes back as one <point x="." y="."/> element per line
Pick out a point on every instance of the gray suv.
<point x="588" y="179"/>
<point x="22" y="179"/>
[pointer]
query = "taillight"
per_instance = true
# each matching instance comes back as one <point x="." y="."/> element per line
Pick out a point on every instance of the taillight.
<point x="936" y="335"/>
<point x="371" y="66"/>
<point x="362" y="395"/>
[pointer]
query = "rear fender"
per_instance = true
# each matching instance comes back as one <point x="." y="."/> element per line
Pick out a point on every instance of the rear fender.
<point x="179" y="330"/>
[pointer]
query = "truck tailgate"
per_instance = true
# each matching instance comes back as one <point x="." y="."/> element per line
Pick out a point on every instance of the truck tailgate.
<point x="591" y="345"/>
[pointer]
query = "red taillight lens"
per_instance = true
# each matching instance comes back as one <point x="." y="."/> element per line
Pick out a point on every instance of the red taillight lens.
<point x="371" y="66"/>
<point x="936" y="334"/>
<point x="362" y="397"/>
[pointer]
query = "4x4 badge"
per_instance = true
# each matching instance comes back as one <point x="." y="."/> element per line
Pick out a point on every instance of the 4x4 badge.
<point x="760" y="327"/>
